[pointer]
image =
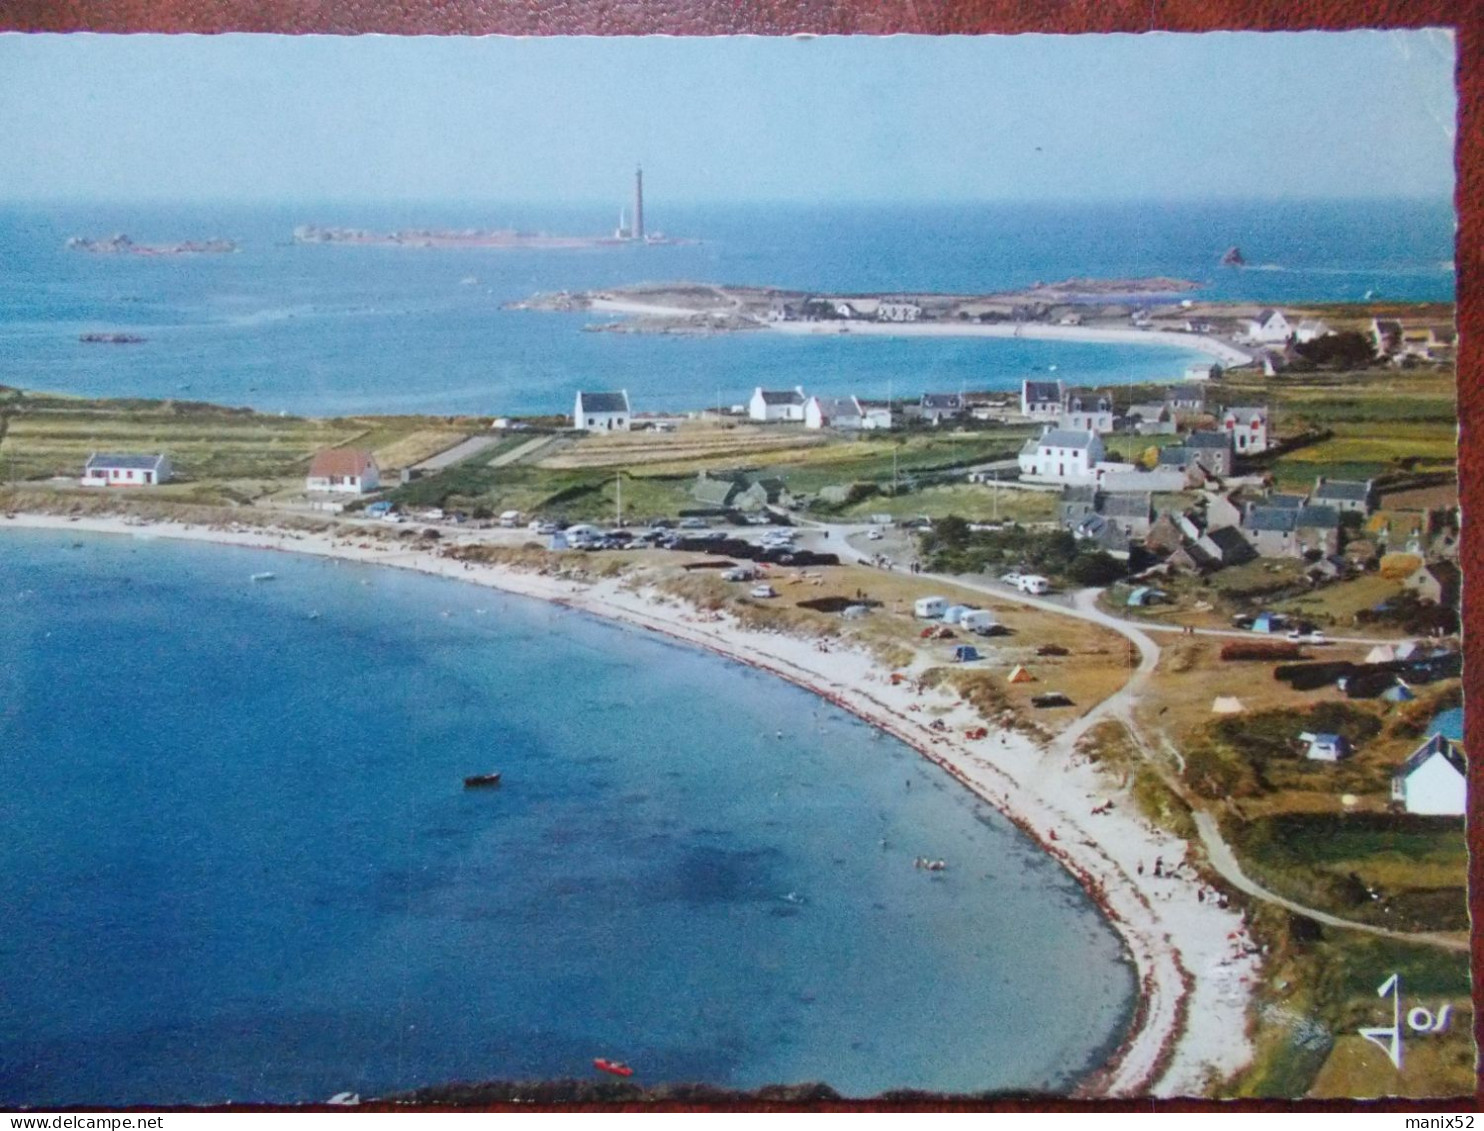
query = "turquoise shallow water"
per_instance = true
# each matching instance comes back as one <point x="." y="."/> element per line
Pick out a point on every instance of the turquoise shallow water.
<point x="324" y="330"/>
<point x="239" y="862"/>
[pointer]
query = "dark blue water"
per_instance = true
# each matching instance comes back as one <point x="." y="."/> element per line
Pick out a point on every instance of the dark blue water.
<point x="324" y="329"/>
<point x="238" y="861"/>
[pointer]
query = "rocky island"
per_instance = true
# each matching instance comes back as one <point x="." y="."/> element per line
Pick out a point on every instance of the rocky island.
<point x="123" y="245"/>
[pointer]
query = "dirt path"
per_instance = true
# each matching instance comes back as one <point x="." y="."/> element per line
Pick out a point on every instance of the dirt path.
<point x="1120" y="705"/>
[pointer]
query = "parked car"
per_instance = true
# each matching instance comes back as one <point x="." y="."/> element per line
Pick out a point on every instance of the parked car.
<point x="1012" y="578"/>
<point x="693" y="524"/>
<point x="739" y="573"/>
<point x="873" y="534"/>
<point x="761" y="591"/>
<point x="1033" y="584"/>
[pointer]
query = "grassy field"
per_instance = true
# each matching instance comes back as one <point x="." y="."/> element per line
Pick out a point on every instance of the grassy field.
<point x="1321" y="988"/>
<point x="977" y="502"/>
<point x="1395" y="870"/>
<point x="49" y="436"/>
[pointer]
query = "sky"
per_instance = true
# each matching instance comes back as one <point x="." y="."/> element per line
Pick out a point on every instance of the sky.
<point x="257" y="118"/>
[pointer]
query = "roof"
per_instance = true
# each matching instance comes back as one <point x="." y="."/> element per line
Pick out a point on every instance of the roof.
<point x="782" y="396"/>
<point x="1437" y="744"/>
<point x="1082" y="493"/>
<point x="1285" y="502"/>
<point x="1042" y="391"/>
<point x="831" y="407"/>
<point x="1209" y="441"/>
<point x="1316" y="518"/>
<point x="1186" y="393"/>
<point x="1066" y="438"/>
<point x="1326" y="740"/>
<point x="1148" y="411"/>
<point x="1272" y="518"/>
<point x="1388" y="325"/>
<point x="942" y="400"/>
<point x="1247" y="415"/>
<point x="1173" y="455"/>
<point x="1228" y="539"/>
<point x="136" y="462"/>
<point x="1127" y="506"/>
<point x="1345" y="490"/>
<point x="1087" y="400"/>
<point x="340" y="461"/>
<point x="603" y="402"/>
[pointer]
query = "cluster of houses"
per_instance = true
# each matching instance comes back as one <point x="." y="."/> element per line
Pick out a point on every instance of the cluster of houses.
<point x="817" y="309"/>
<point x="1400" y="344"/>
<point x="1231" y="527"/>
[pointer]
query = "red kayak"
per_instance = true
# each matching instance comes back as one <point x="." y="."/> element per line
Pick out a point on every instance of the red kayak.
<point x="616" y="1067"/>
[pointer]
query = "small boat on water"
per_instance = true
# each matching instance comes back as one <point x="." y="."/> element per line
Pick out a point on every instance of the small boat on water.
<point x="615" y="1067"/>
<point x="473" y="781"/>
<point x="266" y="575"/>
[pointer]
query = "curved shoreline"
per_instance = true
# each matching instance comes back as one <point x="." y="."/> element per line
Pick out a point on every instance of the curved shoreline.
<point x="1169" y="1049"/>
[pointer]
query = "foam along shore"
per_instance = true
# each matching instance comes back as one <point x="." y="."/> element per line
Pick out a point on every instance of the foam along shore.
<point x="1223" y="352"/>
<point x="1194" y="964"/>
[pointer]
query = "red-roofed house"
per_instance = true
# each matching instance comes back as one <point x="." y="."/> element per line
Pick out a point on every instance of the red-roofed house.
<point x="345" y="470"/>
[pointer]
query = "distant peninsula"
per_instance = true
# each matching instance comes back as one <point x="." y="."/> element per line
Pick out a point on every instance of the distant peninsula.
<point x="123" y="245"/>
<point x="470" y="237"/>
<point x="1145" y="311"/>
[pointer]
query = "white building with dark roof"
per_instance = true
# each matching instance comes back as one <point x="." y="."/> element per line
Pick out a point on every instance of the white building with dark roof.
<point x="777" y="404"/>
<point x="125" y="470"/>
<point x="602" y="412"/>
<point x="1041" y="400"/>
<point x="1062" y="455"/>
<point x="833" y="412"/>
<point x="938" y="407"/>
<point x="1248" y="428"/>
<point x="1086" y="411"/>
<point x="1343" y="494"/>
<point x="1433" y="781"/>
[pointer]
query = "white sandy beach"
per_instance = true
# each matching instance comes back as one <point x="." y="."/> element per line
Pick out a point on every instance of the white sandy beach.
<point x="1037" y="331"/>
<point x="1195" y="965"/>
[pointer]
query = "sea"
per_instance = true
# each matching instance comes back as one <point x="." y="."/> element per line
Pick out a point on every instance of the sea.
<point x="240" y="864"/>
<point x="339" y="330"/>
<point x="239" y="861"/>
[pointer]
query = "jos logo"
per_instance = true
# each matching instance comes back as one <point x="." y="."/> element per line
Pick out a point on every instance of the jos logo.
<point x="1419" y="1019"/>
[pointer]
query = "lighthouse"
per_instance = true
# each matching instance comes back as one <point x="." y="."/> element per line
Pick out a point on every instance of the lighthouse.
<point x="638" y="229"/>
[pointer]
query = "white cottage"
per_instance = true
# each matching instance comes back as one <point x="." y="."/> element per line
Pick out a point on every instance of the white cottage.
<point x="1248" y="428"/>
<point x="343" y="471"/>
<point x="1041" y="400"/>
<point x="833" y="412"/>
<point x="776" y="404"/>
<point x="1433" y="781"/>
<point x="1268" y="328"/>
<point x="1062" y="456"/>
<point x="125" y="470"/>
<point x="1086" y="411"/>
<point x="602" y="412"/>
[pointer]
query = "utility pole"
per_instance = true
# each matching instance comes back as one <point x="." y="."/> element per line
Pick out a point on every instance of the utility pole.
<point x="618" y="481"/>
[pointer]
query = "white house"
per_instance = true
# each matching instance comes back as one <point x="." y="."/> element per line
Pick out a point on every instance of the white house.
<point x="776" y="404"/>
<point x="1248" y="428"/>
<point x="1041" y="400"/>
<point x="1062" y="456"/>
<point x="1309" y="329"/>
<point x="1433" y="781"/>
<point x="1325" y="747"/>
<point x="1268" y="328"/>
<point x="938" y="407"/>
<point x="125" y="470"/>
<point x="833" y="412"/>
<point x="602" y="412"/>
<point x="874" y="416"/>
<point x="1086" y="411"/>
<point x="344" y="471"/>
<point x="897" y="310"/>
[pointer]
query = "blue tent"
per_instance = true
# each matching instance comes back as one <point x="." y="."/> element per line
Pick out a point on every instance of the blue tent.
<point x="1267" y="622"/>
<point x="966" y="652"/>
<point x="1401" y="693"/>
<point x="1449" y="724"/>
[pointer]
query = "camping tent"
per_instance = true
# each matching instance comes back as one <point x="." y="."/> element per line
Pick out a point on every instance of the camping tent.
<point x="1381" y="654"/>
<point x="1020" y="675"/>
<point x="1227" y="705"/>
<point x="1401" y="693"/>
<point x="966" y="652"/>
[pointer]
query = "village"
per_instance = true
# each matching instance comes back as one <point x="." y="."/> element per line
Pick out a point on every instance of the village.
<point x="1284" y="565"/>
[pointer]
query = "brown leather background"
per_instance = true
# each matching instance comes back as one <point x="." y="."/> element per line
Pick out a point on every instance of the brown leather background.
<point x="779" y="17"/>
